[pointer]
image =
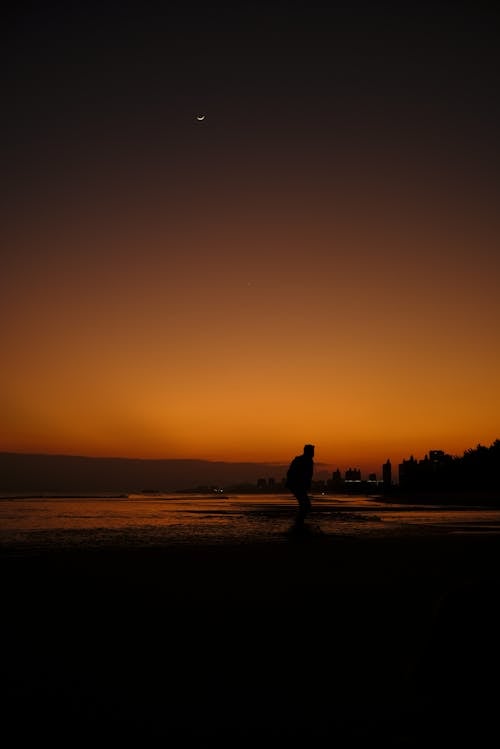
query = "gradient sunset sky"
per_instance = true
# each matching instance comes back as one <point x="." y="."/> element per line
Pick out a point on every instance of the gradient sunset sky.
<point x="316" y="261"/>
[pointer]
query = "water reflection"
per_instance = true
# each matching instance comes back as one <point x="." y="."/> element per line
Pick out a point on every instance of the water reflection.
<point x="169" y="518"/>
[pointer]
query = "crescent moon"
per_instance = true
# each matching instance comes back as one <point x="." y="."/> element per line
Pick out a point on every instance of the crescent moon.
<point x="200" y="117"/>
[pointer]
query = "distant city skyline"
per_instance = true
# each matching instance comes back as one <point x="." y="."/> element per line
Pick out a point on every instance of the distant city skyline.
<point x="45" y="472"/>
<point x="323" y="468"/>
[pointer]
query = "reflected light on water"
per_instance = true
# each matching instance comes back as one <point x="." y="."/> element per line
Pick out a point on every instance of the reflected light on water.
<point x="175" y="519"/>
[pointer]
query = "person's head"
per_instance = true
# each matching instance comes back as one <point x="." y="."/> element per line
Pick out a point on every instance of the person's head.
<point x="309" y="450"/>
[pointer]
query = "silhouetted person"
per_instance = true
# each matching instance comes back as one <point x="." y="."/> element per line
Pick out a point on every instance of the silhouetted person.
<point x="299" y="479"/>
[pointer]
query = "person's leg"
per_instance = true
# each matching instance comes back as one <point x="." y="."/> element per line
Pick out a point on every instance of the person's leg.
<point x="304" y="506"/>
<point x="307" y="503"/>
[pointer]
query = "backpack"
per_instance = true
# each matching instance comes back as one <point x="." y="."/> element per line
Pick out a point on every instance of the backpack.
<point x="293" y="474"/>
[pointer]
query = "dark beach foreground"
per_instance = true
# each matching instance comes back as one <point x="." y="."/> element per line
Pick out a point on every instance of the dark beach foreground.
<point x="325" y="641"/>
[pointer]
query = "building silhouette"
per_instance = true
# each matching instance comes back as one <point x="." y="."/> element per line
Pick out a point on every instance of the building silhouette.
<point x="353" y="474"/>
<point x="387" y="474"/>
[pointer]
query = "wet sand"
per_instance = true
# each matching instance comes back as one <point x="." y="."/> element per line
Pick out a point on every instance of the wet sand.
<point x="330" y="641"/>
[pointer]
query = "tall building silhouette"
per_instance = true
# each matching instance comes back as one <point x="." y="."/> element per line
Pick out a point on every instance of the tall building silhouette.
<point x="387" y="474"/>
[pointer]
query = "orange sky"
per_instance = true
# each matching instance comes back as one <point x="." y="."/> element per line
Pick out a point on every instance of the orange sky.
<point x="371" y="332"/>
<point x="247" y="293"/>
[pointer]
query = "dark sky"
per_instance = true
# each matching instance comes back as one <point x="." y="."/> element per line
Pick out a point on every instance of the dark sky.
<point x="339" y="204"/>
<point x="272" y="75"/>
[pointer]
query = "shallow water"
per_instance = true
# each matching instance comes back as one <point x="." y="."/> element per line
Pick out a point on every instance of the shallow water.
<point x="159" y="520"/>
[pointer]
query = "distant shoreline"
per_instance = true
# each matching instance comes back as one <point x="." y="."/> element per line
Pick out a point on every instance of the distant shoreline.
<point x="466" y="498"/>
<point x="63" y="495"/>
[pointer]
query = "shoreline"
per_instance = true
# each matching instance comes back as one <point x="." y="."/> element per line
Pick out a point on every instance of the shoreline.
<point x="429" y="497"/>
<point x="462" y="498"/>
